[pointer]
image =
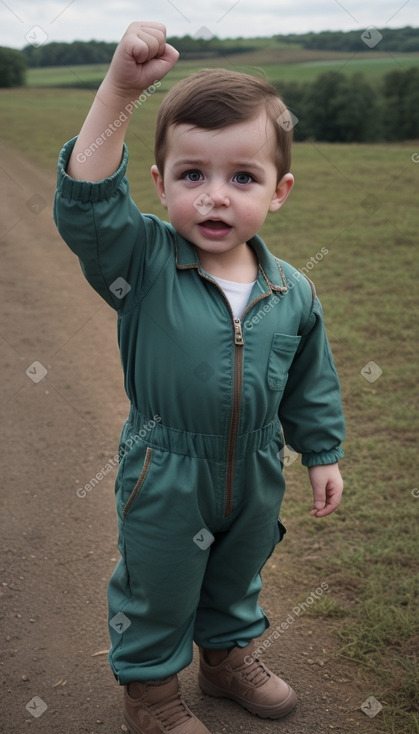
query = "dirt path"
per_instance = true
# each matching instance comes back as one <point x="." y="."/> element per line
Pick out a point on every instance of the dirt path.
<point x="62" y="406"/>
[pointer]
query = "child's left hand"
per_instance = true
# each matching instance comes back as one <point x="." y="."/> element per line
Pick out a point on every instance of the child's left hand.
<point x="327" y="484"/>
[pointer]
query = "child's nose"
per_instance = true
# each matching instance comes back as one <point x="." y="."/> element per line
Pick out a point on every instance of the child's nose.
<point x="219" y="195"/>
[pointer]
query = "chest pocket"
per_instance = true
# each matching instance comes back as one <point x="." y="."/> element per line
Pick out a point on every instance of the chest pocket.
<point x="283" y="349"/>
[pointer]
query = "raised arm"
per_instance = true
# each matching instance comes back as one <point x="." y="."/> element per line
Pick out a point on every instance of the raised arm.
<point x="141" y="58"/>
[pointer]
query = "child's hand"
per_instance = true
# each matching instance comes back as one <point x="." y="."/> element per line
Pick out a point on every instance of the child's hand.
<point x="141" y="58"/>
<point x="327" y="485"/>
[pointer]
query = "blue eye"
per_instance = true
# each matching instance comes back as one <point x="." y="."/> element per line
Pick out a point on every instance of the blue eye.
<point x="193" y="176"/>
<point x="243" y="178"/>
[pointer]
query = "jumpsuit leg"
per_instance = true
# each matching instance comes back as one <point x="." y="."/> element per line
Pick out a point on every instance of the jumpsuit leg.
<point x="154" y="591"/>
<point x="228" y="614"/>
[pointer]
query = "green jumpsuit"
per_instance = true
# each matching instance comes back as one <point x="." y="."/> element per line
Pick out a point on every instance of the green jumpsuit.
<point x="213" y="399"/>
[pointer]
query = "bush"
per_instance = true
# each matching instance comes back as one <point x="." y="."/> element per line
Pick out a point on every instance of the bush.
<point x="12" y="67"/>
<point x="401" y="105"/>
<point x="340" y="109"/>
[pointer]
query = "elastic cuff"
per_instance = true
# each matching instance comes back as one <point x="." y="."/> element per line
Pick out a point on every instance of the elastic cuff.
<point x="322" y="457"/>
<point x="87" y="191"/>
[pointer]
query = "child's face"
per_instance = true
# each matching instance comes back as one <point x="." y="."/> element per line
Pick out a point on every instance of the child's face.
<point x="219" y="185"/>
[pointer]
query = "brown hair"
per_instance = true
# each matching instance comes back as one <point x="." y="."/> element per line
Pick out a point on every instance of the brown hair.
<point x="215" y="98"/>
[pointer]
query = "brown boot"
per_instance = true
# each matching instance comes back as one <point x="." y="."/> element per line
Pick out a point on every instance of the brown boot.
<point x="159" y="708"/>
<point x="243" y="678"/>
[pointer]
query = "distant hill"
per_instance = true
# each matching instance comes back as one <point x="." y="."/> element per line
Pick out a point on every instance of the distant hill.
<point x="400" y="40"/>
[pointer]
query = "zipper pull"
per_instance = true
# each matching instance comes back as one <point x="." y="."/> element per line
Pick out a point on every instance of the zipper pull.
<point x="238" y="334"/>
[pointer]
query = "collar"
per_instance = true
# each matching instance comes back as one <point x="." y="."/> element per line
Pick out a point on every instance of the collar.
<point x="269" y="266"/>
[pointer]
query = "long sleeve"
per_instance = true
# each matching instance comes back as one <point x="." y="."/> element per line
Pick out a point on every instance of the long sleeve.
<point x="311" y="410"/>
<point x="119" y="249"/>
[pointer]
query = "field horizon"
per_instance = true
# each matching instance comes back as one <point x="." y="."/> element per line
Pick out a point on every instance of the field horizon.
<point x="277" y="64"/>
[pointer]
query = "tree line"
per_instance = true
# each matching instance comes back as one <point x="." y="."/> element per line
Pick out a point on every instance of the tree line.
<point x="338" y="108"/>
<point x="100" y="52"/>
<point x="69" y="54"/>
<point x="399" y="40"/>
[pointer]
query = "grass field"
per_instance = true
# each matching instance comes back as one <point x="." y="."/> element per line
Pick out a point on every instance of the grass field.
<point x="277" y="63"/>
<point x="360" y="202"/>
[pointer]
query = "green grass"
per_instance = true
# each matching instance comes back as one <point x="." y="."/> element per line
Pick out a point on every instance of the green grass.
<point x="367" y="552"/>
<point x="65" y="76"/>
<point x="276" y="62"/>
<point x="373" y="70"/>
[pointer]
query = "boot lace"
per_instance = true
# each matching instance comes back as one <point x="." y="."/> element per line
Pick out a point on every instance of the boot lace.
<point x="171" y="712"/>
<point x="255" y="673"/>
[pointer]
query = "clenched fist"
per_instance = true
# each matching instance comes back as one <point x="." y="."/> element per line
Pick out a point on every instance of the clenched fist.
<point x="141" y="58"/>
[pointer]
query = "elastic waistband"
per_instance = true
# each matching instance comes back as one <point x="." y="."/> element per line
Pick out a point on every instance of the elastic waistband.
<point x="199" y="445"/>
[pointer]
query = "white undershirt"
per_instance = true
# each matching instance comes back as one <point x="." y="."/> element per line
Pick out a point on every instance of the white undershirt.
<point x="238" y="294"/>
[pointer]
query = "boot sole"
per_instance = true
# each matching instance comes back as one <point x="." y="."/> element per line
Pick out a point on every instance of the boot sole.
<point x="264" y="712"/>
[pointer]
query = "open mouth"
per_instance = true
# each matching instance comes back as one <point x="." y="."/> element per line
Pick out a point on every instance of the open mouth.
<point x="216" y="225"/>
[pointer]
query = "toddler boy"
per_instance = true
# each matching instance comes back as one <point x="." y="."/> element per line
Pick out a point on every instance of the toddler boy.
<point x="224" y="352"/>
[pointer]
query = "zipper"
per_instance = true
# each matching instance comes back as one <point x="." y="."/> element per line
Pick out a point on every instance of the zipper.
<point x="237" y="393"/>
<point x="234" y="424"/>
<point x="237" y="396"/>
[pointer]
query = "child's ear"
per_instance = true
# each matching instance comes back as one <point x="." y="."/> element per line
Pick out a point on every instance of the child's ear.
<point x="159" y="184"/>
<point x="282" y="192"/>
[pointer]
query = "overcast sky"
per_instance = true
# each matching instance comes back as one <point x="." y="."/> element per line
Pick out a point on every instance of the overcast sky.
<point x="68" y="20"/>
